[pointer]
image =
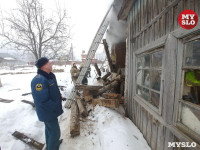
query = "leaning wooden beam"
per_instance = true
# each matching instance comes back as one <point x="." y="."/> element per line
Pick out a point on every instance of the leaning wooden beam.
<point x="106" y="76"/>
<point x="5" y="100"/>
<point x="74" y="120"/>
<point x="28" y="140"/>
<point x="97" y="69"/>
<point x="108" y="55"/>
<point x="107" y="87"/>
<point x="28" y="102"/>
<point x="111" y="103"/>
<point x="82" y="109"/>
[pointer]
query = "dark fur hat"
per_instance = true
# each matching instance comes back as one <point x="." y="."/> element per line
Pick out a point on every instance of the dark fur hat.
<point x="41" y="62"/>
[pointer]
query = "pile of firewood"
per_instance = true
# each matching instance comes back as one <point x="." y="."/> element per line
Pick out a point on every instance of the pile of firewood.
<point x="109" y="95"/>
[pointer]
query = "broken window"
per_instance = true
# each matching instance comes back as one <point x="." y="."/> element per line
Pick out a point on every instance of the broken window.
<point x="149" y="68"/>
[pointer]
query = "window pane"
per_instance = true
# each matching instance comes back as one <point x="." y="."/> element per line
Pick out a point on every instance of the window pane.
<point x="156" y="80"/>
<point x="146" y="78"/>
<point x="147" y="61"/>
<point x="140" y="62"/>
<point x="190" y="117"/>
<point x="145" y="94"/>
<point x="139" y="90"/>
<point x="157" y="59"/>
<point x="192" y="53"/>
<point x="139" y="77"/>
<point x="155" y="99"/>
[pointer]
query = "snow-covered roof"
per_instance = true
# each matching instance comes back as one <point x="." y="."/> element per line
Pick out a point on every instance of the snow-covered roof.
<point x="6" y="56"/>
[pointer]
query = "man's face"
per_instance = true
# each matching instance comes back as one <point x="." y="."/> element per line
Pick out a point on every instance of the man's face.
<point x="74" y="65"/>
<point x="48" y="66"/>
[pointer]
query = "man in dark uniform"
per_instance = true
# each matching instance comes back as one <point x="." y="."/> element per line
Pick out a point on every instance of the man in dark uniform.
<point x="47" y="99"/>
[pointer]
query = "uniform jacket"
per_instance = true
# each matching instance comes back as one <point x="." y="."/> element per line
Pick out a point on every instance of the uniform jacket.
<point x="46" y="95"/>
<point x="74" y="73"/>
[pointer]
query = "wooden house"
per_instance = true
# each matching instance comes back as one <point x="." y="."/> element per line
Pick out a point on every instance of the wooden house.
<point x="159" y="54"/>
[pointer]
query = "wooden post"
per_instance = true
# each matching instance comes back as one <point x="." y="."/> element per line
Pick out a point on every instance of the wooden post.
<point x="82" y="109"/>
<point x="74" y="120"/>
<point x="107" y="87"/>
<point x="108" y="55"/>
<point x="28" y="140"/>
<point x="97" y="69"/>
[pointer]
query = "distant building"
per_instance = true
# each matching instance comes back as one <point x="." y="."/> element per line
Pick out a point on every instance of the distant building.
<point x="9" y="60"/>
<point x="84" y="56"/>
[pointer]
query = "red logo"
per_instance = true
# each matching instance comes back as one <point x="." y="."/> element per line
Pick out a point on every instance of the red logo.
<point x="188" y="19"/>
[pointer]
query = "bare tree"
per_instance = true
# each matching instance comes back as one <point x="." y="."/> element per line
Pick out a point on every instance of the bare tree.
<point x="29" y="29"/>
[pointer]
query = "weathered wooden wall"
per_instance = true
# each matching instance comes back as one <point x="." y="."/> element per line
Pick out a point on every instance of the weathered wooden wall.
<point x="150" y="24"/>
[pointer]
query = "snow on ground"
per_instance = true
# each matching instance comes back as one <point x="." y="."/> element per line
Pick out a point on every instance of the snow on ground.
<point x="103" y="129"/>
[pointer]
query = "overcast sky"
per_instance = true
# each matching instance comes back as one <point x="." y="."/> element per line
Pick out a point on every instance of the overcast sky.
<point x="86" y="16"/>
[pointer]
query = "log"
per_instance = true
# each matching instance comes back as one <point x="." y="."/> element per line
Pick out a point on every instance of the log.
<point x="108" y="55"/>
<point x="87" y="87"/>
<point x="28" y="102"/>
<point x="25" y="94"/>
<point x="105" y="76"/>
<point x="88" y="98"/>
<point x="28" y="140"/>
<point x="5" y="100"/>
<point x="111" y="96"/>
<point x="82" y="109"/>
<point x="97" y="69"/>
<point x="111" y="103"/>
<point x="107" y="87"/>
<point x="74" y="120"/>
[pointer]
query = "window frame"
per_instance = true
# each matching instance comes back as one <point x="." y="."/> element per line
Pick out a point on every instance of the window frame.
<point x="152" y="50"/>
<point x="189" y="132"/>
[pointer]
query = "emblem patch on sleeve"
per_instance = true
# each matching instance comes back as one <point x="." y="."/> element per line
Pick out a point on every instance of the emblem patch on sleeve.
<point x="38" y="87"/>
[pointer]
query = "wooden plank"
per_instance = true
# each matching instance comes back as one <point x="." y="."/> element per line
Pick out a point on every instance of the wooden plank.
<point x="144" y="126"/>
<point x="169" y="137"/>
<point x="111" y="96"/>
<point x="167" y="23"/>
<point x="196" y="7"/>
<point x="160" y="137"/>
<point x="82" y="109"/>
<point x="153" y="45"/>
<point x="154" y="133"/>
<point x="88" y="87"/>
<point x="108" y="55"/>
<point x="178" y="92"/>
<point x="141" y="14"/>
<point x="111" y="103"/>
<point x="97" y="69"/>
<point x="140" y="116"/>
<point x="171" y="21"/>
<point x="149" y="129"/>
<point x="5" y="100"/>
<point x="28" y="102"/>
<point x="74" y="120"/>
<point x="192" y="5"/>
<point x="107" y="87"/>
<point x="169" y="78"/>
<point x="105" y="76"/>
<point x="28" y="140"/>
